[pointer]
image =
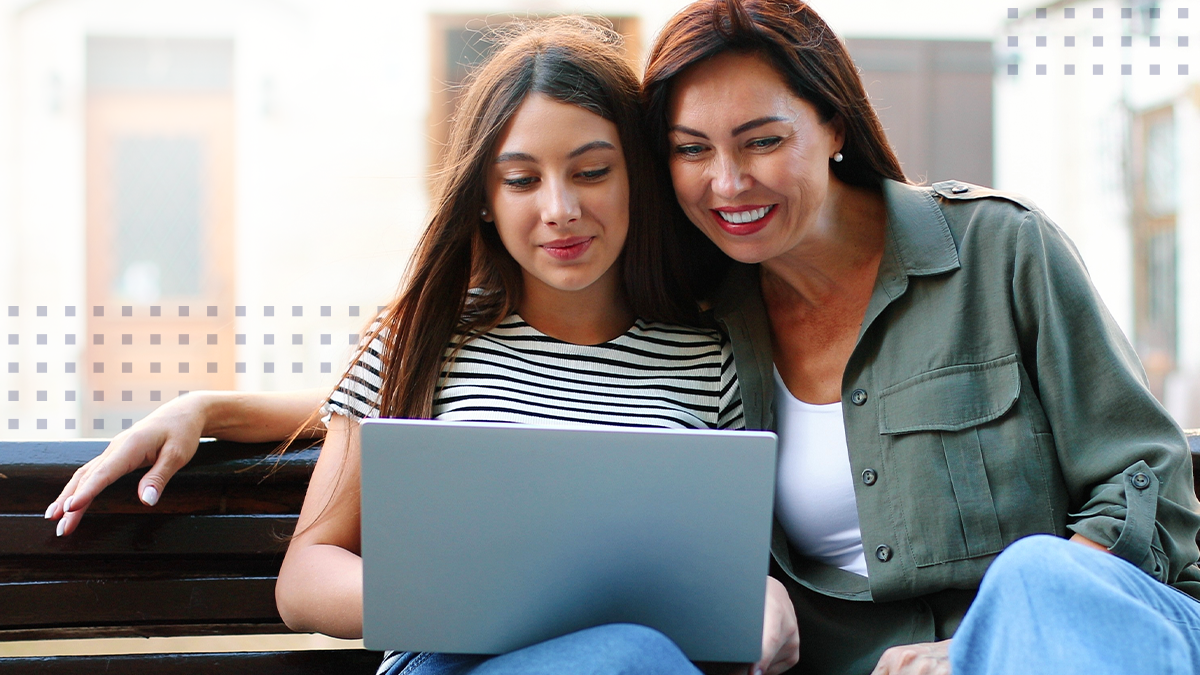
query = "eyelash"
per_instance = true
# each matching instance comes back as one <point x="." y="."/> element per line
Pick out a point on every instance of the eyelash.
<point x="688" y="150"/>
<point x="522" y="182"/>
<point x="694" y="150"/>
<point x="527" y="181"/>
<point x="595" y="174"/>
<point x="764" y="143"/>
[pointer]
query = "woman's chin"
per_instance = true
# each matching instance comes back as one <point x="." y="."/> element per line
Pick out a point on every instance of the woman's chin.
<point x="744" y="252"/>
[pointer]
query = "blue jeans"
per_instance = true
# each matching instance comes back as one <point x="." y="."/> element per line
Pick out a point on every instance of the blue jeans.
<point x="1047" y="605"/>
<point x="615" y="649"/>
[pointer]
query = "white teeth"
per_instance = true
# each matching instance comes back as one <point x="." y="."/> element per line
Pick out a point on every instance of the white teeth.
<point x="741" y="217"/>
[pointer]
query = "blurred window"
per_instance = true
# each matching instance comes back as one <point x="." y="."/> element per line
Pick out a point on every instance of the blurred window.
<point x="1156" y="248"/>
<point x="158" y="204"/>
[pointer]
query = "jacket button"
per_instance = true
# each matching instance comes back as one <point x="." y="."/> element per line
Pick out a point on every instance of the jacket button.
<point x="1140" y="481"/>
<point x="883" y="553"/>
<point x="858" y="396"/>
<point x="869" y="477"/>
<point x="959" y="189"/>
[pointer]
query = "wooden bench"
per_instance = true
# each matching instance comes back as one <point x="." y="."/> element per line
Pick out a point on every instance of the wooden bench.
<point x="202" y="562"/>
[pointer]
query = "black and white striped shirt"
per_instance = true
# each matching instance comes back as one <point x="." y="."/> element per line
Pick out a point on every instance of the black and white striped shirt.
<point x="654" y="375"/>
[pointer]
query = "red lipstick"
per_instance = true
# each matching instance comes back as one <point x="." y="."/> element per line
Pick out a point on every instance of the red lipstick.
<point x="749" y="219"/>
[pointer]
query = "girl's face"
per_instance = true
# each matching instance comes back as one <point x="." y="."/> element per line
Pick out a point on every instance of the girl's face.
<point x="558" y="193"/>
<point x="749" y="159"/>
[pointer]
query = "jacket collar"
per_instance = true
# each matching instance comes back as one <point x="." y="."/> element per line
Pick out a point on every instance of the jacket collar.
<point x="918" y="234"/>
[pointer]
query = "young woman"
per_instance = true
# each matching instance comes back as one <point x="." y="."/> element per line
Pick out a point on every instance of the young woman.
<point x="545" y="289"/>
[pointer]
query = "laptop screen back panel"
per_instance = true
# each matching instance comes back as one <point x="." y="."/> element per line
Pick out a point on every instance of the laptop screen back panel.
<point x="483" y="538"/>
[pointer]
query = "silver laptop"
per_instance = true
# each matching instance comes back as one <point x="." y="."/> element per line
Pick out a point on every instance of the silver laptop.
<point x="485" y="538"/>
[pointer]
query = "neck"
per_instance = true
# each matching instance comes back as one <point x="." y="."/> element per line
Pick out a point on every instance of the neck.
<point x="841" y="253"/>
<point x="590" y="316"/>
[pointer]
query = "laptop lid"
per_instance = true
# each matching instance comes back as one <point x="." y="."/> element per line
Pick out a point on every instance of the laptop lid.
<point x="484" y="538"/>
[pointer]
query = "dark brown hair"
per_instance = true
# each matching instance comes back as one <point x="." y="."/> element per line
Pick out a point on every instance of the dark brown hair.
<point x="801" y="47"/>
<point x="570" y="59"/>
<point x="461" y="281"/>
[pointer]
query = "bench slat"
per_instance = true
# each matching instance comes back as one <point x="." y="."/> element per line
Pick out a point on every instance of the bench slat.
<point x="223" y="478"/>
<point x="130" y="602"/>
<point x="146" y="535"/>
<point x="317" y="662"/>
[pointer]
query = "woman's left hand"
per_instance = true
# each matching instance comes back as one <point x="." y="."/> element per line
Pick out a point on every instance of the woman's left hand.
<point x="923" y="658"/>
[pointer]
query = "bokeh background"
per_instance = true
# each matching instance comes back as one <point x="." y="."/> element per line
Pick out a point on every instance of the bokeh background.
<point x="218" y="194"/>
<point x="203" y="194"/>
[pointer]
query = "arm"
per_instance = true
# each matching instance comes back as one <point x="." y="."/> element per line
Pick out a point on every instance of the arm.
<point x="781" y="635"/>
<point x="320" y="582"/>
<point x="1124" y="460"/>
<point x="167" y="438"/>
<point x="780" y="638"/>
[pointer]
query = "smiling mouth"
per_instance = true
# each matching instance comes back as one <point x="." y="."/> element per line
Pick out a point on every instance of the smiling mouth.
<point x="743" y="221"/>
<point x="568" y="249"/>
<point x="746" y="216"/>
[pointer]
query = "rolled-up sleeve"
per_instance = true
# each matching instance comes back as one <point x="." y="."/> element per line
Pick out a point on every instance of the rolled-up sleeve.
<point x="1125" y="461"/>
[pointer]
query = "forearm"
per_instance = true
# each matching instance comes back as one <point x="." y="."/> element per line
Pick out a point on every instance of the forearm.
<point x="1123" y="459"/>
<point x="320" y="590"/>
<point x="255" y="417"/>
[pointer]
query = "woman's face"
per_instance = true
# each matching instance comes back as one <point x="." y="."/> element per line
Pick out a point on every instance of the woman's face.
<point x="749" y="159"/>
<point x="558" y="193"/>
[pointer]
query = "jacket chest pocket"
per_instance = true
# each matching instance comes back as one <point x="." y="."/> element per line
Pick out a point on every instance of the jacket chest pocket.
<point x="934" y="423"/>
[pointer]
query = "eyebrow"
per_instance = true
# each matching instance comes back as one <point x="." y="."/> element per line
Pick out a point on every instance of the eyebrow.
<point x="755" y="123"/>
<point x="738" y="130"/>
<point x="526" y="157"/>
<point x="515" y="157"/>
<point x="588" y="147"/>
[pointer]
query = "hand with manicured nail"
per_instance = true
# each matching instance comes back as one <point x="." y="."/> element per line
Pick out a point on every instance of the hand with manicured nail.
<point x="167" y="439"/>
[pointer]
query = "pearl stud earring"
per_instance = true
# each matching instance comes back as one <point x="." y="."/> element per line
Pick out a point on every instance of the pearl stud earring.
<point x="837" y="157"/>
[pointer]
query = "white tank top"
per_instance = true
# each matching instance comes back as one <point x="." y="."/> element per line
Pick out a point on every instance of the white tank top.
<point x="814" y="489"/>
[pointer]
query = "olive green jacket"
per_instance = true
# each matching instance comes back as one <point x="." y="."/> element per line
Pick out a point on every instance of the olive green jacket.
<point x="990" y="396"/>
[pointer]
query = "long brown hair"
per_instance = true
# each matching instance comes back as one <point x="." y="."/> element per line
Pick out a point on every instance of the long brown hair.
<point x="801" y="47"/>
<point x="461" y="280"/>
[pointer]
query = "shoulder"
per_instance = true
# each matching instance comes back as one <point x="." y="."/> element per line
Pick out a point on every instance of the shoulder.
<point x="981" y="216"/>
<point x="1005" y="231"/>
<point x="954" y="193"/>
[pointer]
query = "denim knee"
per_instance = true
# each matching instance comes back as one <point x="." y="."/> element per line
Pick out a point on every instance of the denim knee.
<point x="628" y="648"/>
<point x="614" y="649"/>
<point x="1037" y="561"/>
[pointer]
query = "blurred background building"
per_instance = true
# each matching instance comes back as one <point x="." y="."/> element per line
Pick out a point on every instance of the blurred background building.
<point x="1098" y="117"/>
<point x="216" y="194"/>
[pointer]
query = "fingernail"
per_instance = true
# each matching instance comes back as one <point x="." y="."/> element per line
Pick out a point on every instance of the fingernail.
<point x="758" y="671"/>
<point x="50" y="510"/>
<point x="150" y="495"/>
<point x="62" y="524"/>
<point x="67" y="504"/>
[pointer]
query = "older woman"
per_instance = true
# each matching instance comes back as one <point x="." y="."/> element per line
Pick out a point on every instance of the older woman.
<point x="943" y="376"/>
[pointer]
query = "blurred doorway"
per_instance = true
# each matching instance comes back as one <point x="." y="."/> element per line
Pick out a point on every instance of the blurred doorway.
<point x="160" y="144"/>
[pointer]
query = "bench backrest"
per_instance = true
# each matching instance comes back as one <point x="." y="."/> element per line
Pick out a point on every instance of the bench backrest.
<point x="203" y="561"/>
